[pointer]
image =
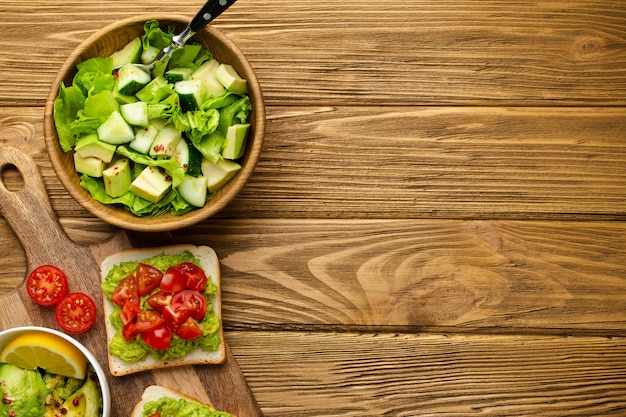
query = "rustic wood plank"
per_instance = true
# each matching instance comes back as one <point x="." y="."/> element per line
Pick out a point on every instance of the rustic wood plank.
<point x="346" y="374"/>
<point x="413" y="275"/>
<point x="421" y="52"/>
<point x="402" y="162"/>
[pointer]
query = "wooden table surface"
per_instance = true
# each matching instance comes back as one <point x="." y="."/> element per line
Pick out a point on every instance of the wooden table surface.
<point x="437" y="223"/>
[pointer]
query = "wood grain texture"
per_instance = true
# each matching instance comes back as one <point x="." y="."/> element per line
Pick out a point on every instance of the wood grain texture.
<point x="412" y="275"/>
<point x="410" y="53"/>
<point x="436" y="223"/>
<point x="372" y="375"/>
<point x="404" y="162"/>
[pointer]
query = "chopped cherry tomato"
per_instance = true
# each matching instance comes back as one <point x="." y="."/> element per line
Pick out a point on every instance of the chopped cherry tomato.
<point x="148" y="320"/>
<point x="47" y="285"/>
<point x="159" y="300"/>
<point x="176" y="314"/>
<point x="194" y="299"/>
<point x="129" y="312"/>
<point x="130" y="331"/>
<point x="194" y="275"/>
<point x="76" y="313"/>
<point x="126" y="290"/>
<point x="159" y="338"/>
<point x="189" y="330"/>
<point x="173" y="280"/>
<point x="148" y="278"/>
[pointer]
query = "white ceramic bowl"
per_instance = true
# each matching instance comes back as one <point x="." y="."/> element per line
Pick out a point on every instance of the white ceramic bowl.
<point x="6" y="336"/>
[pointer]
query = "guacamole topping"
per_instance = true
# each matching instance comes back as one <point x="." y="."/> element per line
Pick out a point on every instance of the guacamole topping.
<point x="168" y="406"/>
<point x="136" y="349"/>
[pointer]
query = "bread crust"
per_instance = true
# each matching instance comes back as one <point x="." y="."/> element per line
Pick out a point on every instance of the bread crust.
<point x="154" y="392"/>
<point x="209" y="263"/>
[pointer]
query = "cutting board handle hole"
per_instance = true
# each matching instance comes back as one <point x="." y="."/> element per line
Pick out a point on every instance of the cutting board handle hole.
<point x="11" y="178"/>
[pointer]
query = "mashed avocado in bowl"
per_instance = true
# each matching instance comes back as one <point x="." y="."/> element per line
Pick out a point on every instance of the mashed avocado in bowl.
<point x="33" y="393"/>
<point x="23" y="392"/>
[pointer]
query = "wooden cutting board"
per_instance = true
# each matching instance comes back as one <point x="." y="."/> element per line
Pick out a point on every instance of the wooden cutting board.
<point x="30" y="215"/>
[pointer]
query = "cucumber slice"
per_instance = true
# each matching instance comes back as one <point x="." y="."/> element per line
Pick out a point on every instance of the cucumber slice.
<point x="194" y="190"/>
<point x="230" y="79"/>
<point x="195" y="162"/>
<point x="131" y="79"/>
<point x="181" y="153"/>
<point x="190" y="93"/>
<point x="178" y="74"/>
<point x="135" y="114"/>
<point x="149" y="54"/>
<point x="144" y="138"/>
<point x="129" y="54"/>
<point x="166" y="142"/>
<point x="115" y="130"/>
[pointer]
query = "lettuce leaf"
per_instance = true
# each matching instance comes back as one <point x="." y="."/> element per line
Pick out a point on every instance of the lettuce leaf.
<point x="66" y="106"/>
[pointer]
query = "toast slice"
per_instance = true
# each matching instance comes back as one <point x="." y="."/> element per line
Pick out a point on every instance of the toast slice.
<point x="156" y="392"/>
<point x="210" y="264"/>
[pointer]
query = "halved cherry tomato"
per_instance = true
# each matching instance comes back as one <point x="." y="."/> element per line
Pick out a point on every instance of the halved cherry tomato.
<point x="46" y="285"/>
<point x="159" y="338"/>
<point x="130" y="331"/>
<point x="159" y="300"/>
<point x="189" y="330"/>
<point x="126" y="290"/>
<point x="148" y="320"/>
<point x="76" y="313"/>
<point x="176" y="314"/>
<point x="173" y="280"/>
<point x="194" y="299"/>
<point x="129" y="312"/>
<point x="194" y="275"/>
<point x="148" y="278"/>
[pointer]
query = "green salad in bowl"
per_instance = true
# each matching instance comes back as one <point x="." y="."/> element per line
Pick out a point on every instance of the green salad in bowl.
<point x="163" y="142"/>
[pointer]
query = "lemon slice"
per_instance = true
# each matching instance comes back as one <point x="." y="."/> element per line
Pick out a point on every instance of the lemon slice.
<point x="34" y="350"/>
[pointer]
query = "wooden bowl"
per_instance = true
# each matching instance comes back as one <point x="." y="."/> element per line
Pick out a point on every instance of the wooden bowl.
<point x="112" y="38"/>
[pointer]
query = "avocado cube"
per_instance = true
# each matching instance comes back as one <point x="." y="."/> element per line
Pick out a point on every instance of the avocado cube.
<point x="90" y="145"/>
<point x="151" y="184"/>
<point x="217" y="175"/>
<point x="235" y="145"/>
<point x="117" y="177"/>
<point x="89" y="165"/>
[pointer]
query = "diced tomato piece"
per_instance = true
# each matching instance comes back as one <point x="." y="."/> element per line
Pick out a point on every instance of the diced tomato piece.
<point x="148" y="278"/>
<point x="189" y="330"/>
<point x="158" y="338"/>
<point x="176" y="314"/>
<point x="148" y="320"/>
<point x="159" y="300"/>
<point x="194" y="275"/>
<point x="126" y="290"/>
<point x="194" y="299"/>
<point x="173" y="280"/>
<point x="130" y="331"/>
<point x="129" y="312"/>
